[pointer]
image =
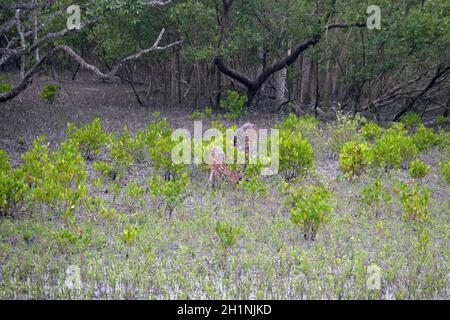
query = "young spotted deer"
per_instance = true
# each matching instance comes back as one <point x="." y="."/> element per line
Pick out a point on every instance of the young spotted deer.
<point x="244" y="141"/>
<point x="218" y="167"/>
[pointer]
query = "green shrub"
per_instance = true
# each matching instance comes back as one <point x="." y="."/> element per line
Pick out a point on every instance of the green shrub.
<point x="219" y="125"/>
<point x="123" y="151"/>
<point x="296" y="154"/>
<point x="117" y="164"/>
<point x="309" y="208"/>
<point x="307" y="125"/>
<point x="57" y="180"/>
<point x="410" y="120"/>
<point x="169" y="193"/>
<point x="354" y="158"/>
<point x="442" y="121"/>
<point x="160" y="145"/>
<point x="134" y="190"/>
<point x="133" y="145"/>
<point x="445" y="170"/>
<point x="394" y="148"/>
<point x="425" y="138"/>
<point x="227" y="234"/>
<point x="371" y="131"/>
<point x="201" y="115"/>
<point x="443" y="140"/>
<point x="50" y="92"/>
<point x="128" y="235"/>
<point x="415" y="200"/>
<point x="418" y="169"/>
<point x="90" y="137"/>
<point x="72" y="236"/>
<point x="105" y="169"/>
<point x="254" y="185"/>
<point x="344" y="129"/>
<point x="5" y="87"/>
<point x="373" y="195"/>
<point x="12" y="186"/>
<point x="234" y="105"/>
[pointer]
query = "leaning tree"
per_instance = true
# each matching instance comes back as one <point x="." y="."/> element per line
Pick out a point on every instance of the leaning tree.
<point x="401" y="67"/>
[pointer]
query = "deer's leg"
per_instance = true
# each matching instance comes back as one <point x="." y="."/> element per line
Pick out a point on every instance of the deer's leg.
<point x="211" y="177"/>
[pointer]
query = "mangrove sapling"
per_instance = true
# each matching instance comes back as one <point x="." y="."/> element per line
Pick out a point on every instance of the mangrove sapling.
<point x="374" y="195"/>
<point x="418" y="169"/>
<point x="169" y="193"/>
<point x="128" y="237"/>
<point x="309" y="208"/>
<point x="228" y="236"/>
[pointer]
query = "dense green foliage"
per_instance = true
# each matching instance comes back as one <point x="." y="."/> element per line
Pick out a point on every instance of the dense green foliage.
<point x="418" y="169"/>
<point x="309" y="208"/>
<point x="354" y="158"/>
<point x="90" y="138"/>
<point x="51" y="92"/>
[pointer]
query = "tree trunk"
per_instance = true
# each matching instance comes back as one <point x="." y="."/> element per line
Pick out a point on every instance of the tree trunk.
<point x="306" y="75"/>
<point x="281" y="85"/>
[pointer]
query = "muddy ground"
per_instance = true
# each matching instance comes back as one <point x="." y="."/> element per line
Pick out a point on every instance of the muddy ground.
<point x="81" y="101"/>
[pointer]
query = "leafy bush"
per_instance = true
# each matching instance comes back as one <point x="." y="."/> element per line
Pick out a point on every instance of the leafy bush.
<point x="5" y="87"/>
<point x="124" y="150"/>
<point x="345" y="129"/>
<point x="227" y="234"/>
<point x="105" y="169"/>
<point x="445" y="170"/>
<point x="128" y="235"/>
<point x="371" y="131"/>
<point x="67" y="237"/>
<point x="133" y="145"/>
<point x="57" y="180"/>
<point x="410" y="120"/>
<point x="50" y="92"/>
<point x="296" y="154"/>
<point x="219" y="125"/>
<point x="418" y="169"/>
<point x="134" y="190"/>
<point x="307" y="125"/>
<point x="200" y="115"/>
<point x="160" y="145"/>
<point x="90" y="137"/>
<point x="373" y="195"/>
<point x="254" y="185"/>
<point x="234" y="105"/>
<point x="169" y="193"/>
<point x="443" y="140"/>
<point x="394" y="148"/>
<point x="415" y="200"/>
<point x="442" y="121"/>
<point x="354" y="158"/>
<point x="309" y="208"/>
<point x="12" y="187"/>
<point x="425" y="138"/>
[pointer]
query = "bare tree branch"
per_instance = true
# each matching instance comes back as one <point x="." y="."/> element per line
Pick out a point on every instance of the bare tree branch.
<point x="26" y="80"/>
<point x="8" y="53"/>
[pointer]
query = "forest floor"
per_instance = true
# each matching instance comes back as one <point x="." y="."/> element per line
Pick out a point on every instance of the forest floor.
<point x="180" y="257"/>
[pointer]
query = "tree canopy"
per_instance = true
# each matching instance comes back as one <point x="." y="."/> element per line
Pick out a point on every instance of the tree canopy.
<point x="311" y="54"/>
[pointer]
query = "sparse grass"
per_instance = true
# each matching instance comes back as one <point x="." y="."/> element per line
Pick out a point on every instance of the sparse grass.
<point x="127" y="248"/>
